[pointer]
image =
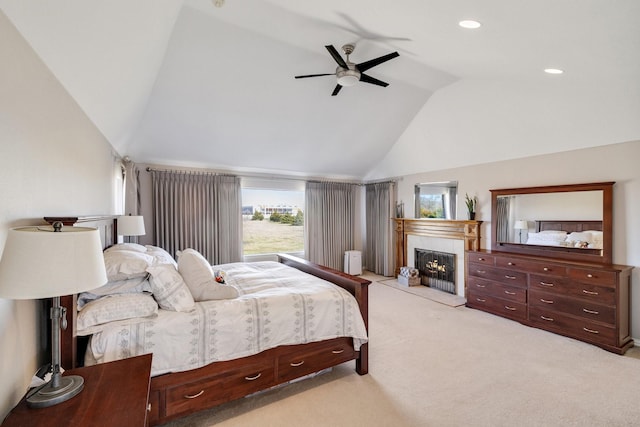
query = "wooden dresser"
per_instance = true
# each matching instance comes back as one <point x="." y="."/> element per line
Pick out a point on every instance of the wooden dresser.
<point x="586" y="301"/>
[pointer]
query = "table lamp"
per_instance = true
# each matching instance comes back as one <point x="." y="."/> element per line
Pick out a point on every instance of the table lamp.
<point x="521" y="225"/>
<point x="131" y="225"/>
<point x="45" y="262"/>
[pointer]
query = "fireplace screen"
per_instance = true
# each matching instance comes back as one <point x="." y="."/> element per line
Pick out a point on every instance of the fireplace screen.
<point x="437" y="269"/>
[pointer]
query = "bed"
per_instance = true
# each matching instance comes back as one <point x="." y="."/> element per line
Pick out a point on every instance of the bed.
<point x="210" y="375"/>
<point x="565" y="235"/>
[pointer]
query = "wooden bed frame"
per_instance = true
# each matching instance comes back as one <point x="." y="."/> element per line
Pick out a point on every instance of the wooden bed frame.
<point x="175" y="395"/>
<point x="568" y="226"/>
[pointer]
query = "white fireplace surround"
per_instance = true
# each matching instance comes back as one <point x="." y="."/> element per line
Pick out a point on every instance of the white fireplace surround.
<point x="452" y="246"/>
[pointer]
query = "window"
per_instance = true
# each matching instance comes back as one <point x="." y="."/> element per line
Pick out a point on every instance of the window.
<point x="272" y="216"/>
<point x="436" y="200"/>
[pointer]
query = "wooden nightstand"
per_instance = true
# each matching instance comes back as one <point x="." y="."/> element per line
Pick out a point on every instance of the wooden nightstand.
<point x="114" y="394"/>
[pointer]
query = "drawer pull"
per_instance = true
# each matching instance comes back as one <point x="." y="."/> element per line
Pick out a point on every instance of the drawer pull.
<point x="510" y="263"/>
<point x="591" y="331"/>
<point x="509" y="293"/>
<point x="337" y="351"/>
<point x="589" y="292"/>
<point x="590" y="276"/>
<point x="253" y="378"/>
<point x="296" y="364"/>
<point x="546" y="269"/>
<point x="548" y="319"/>
<point x="546" y="284"/>
<point x="546" y="301"/>
<point x="193" y="396"/>
<point x="149" y="407"/>
<point x="510" y="277"/>
<point x="481" y="300"/>
<point x="480" y="259"/>
<point x="481" y="271"/>
<point x="480" y="286"/>
<point x="590" y="311"/>
<point x="510" y="308"/>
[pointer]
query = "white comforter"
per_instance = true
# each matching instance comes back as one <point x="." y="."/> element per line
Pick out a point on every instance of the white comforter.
<point x="278" y="305"/>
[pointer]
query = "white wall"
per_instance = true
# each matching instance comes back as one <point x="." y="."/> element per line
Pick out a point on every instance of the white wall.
<point x="53" y="161"/>
<point x="618" y="162"/>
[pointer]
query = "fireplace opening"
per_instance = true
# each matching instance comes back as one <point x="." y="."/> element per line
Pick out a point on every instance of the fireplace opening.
<point x="437" y="269"/>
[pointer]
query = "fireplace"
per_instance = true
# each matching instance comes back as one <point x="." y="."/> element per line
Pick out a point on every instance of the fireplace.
<point x="437" y="269"/>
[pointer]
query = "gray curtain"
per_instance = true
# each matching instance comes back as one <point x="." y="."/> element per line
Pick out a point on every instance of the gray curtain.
<point x="502" y="220"/>
<point x="329" y="222"/>
<point x="198" y="210"/>
<point x="378" y="254"/>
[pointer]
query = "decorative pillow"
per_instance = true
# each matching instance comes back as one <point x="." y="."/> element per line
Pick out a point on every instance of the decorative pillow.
<point x="126" y="247"/>
<point x="113" y="308"/>
<point x="201" y="279"/>
<point x="122" y="265"/>
<point x="160" y="256"/>
<point x="169" y="288"/>
<point x="129" y="286"/>
<point x="577" y="236"/>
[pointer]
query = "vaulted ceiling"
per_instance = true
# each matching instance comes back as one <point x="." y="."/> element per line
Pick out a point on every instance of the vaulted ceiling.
<point x="188" y="83"/>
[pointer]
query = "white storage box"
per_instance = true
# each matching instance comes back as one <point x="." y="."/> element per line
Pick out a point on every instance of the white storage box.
<point x="353" y="262"/>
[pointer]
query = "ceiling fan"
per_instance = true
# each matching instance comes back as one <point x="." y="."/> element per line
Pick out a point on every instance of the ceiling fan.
<point x="348" y="73"/>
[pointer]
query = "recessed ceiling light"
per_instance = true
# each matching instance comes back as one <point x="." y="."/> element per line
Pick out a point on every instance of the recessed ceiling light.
<point x="553" y="71"/>
<point x="469" y="24"/>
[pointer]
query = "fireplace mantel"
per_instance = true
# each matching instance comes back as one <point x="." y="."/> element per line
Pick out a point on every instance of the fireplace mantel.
<point x="467" y="230"/>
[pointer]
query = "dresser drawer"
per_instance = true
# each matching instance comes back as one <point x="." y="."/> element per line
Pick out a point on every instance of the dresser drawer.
<point x="512" y="278"/>
<point x="480" y="258"/>
<point x="595" y="294"/>
<point x="593" y="276"/>
<point x="574" y="306"/>
<point x="572" y="326"/>
<point x="531" y="266"/>
<point x="498" y="290"/>
<point x="502" y="307"/>
<point x="196" y="395"/>
<point x="308" y="361"/>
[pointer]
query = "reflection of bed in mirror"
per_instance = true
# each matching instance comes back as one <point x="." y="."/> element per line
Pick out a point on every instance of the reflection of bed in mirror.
<point x="584" y="236"/>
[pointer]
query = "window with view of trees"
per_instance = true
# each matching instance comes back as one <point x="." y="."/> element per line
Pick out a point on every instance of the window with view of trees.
<point x="272" y="219"/>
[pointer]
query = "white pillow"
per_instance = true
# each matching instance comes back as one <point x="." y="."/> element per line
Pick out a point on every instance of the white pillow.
<point x="579" y="236"/>
<point x="200" y="278"/>
<point x="122" y="265"/>
<point x="112" y="308"/>
<point x="126" y="247"/>
<point x="544" y="238"/>
<point x="160" y="256"/>
<point x="169" y="288"/>
<point x="136" y="285"/>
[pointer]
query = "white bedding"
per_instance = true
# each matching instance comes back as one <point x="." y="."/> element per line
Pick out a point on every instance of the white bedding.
<point x="278" y="305"/>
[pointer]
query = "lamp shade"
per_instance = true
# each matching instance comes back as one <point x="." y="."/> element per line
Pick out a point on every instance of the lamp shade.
<point x="521" y="225"/>
<point x="38" y="262"/>
<point x="131" y="225"/>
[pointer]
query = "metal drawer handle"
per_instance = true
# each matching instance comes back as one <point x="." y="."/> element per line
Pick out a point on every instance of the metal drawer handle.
<point x="546" y="284"/>
<point x="509" y="293"/>
<point x="295" y="365"/>
<point x="510" y="277"/>
<point x="480" y="259"/>
<point x="546" y="269"/>
<point x="481" y="300"/>
<point x="590" y="276"/>
<point x="546" y="301"/>
<point x="510" y="308"/>
<point x="480" y="286"/>
<point x="589" y="292"/>
<point x="590" y="311"/>
<point x="590" y="331"/>
<point x="510" y="263"/>
<point x="337" y="351"/>
<point x="548" y="319"/>
<point x="193" y="396"/>
<point x="481" y="271"/>
<point x="253" y="378"/>
<point x="149" y="407"/>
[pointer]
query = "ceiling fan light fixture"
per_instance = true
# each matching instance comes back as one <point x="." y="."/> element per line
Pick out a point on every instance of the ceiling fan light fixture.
<point x="470" y="24"/>
<point x="348" y="77"/>
<point x="553" y="71"/>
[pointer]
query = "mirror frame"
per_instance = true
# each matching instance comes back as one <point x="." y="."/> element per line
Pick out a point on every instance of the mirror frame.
<point x="552" y="251"/>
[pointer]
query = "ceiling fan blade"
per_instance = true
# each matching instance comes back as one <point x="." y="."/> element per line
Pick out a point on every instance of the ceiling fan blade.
<point x="315" y="75"/>
<point x="336" y="56"/>
<point x="336" y="90"/>
<point x="369" y="79"/>
<point x="364" y="66"/>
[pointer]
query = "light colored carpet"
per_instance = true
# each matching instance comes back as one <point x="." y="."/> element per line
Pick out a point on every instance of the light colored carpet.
<point x="435" y="365"/>
<point x="426" y="292"/>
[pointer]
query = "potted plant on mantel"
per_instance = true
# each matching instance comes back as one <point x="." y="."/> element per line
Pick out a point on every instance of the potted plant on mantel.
<point x="471" y="203"/>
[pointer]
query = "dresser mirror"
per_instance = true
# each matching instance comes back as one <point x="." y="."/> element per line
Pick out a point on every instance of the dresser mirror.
<point x="572" y="222"/>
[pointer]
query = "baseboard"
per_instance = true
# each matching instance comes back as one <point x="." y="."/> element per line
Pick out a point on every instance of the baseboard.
<point x="636" y="342"/>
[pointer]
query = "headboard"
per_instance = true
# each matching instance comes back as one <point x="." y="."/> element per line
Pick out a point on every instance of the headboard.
<point x="71" y="354"/>
<point x="568" y="226"/>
